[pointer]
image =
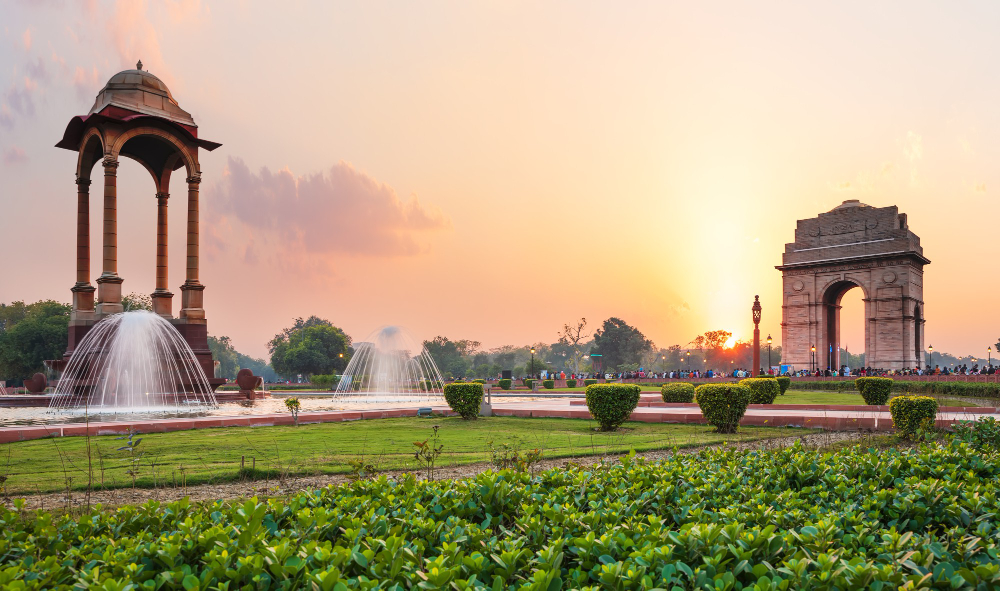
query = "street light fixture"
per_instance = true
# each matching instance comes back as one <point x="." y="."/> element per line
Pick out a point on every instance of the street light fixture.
<point x="769" y="354"/>
<point x="930" y="348"/>
<point x="989" y="355"/>
<point x="532" y="372"/>
<point x="812" y="362"/>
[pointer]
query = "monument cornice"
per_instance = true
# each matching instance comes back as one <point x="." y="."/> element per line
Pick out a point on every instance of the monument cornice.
<point x="854" y="263"/>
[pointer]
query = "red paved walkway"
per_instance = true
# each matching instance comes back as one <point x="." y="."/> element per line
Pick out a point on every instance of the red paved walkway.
<point x="822" y="417"/>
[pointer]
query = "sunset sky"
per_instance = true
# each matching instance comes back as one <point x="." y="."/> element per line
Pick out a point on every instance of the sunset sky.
<point x="493" y="170"/>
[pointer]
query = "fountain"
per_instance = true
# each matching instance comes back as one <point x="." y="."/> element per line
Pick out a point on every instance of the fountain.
<point x="390" y="367"/>
<point x="133" y="362"/>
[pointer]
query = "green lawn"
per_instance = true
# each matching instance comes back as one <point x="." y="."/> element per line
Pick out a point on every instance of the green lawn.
<point x="806" y="397"/>
<point x="214" y="455"/>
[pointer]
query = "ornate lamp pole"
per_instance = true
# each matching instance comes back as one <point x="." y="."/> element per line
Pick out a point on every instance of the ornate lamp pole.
<point x="930" y="348"/>
<point x="812" y="362"/>
<point x="532" y="372"/>
<point x="755" y="370"/>
<point x="769" y="354"/>
<point x="989" y="355"/>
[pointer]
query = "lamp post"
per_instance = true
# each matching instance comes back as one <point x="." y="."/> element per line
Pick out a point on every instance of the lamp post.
<point x="989" y="355"/>
<point x="812" y="362"/>
<point x="689" y="358"/>
<point x="532" y="372"/>
<point x="663" y="365"/>
<point x="930" y="348"/>
<point x="769" y="354"/>
<point x="755" y="370"/>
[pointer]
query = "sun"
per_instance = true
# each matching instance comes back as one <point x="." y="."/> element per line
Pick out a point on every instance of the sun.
<point x="730" y="342"/>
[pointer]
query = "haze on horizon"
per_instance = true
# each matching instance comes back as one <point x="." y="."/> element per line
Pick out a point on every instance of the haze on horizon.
<point x="494" y="170"/>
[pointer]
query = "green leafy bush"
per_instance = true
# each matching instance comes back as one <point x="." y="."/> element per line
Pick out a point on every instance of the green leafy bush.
<point x="324" y="380"/>
<point x="847" y="520"/>
<point x="982" y="434"/>
<point x="571" y="383"/>
<point x="479" y="381"/>
<point x="612" y="404"/>
<point x="677" y="392"/>
<point x="548" y="384"/>
<point x="529" y="383"/>
<point x="875" y="391"/>
<point x="762" y="390"/>
<point x="784" y="382"/>
<point x="910" y="413"/>
<point x="505" y="384"/>
<point x="590" y="382"/>
<point x="723" y="405"/>
<point x="465" y="399"/>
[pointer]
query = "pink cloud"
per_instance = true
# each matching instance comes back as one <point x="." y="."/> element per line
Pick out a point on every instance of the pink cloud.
<point x="135" y="38"/>
<point x="340" y="210"/>
<point x="14" y="155"/>
<point x="26" y="38"/>
<point x="6" y="119"/>
<point x="86" y="83"/>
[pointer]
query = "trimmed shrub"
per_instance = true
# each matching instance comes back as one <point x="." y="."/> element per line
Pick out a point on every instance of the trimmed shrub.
<point x="589" y="382"/>
<point x="875" y="391"/>
<point x="723" y="405"/>
<point x="530" y="384"/>
<point x="762" y="390"/>
<point x="909" y="413"/>
<point x="548" y="384"/>
<point x="784" y="382"/>
<point x="677" y="392"/>
<point x="505" y="384"/>
<point x="465" y="399"/>
<point x="612" y="404"/>
<point x="324" y="380"/>
<point x="479" y="381"/>
<point x="571" y="383"/>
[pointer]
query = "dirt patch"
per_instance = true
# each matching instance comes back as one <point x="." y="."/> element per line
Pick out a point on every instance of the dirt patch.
<point x="295" y="484"/>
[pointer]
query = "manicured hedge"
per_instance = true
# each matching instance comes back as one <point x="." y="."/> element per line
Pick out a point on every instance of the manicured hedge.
<point x="612" y="404"/>
<point x="909" y="413"/>
<point x="723" y="405"/>
<point x="529" y="384"/>
<point x="465" y="399"/>
<point x="783" y="519"/>
<point x="875" y="391"/>
<point x="571" y="383"/>
<point x="479" y="381"/>
<point x="783" y="383"/>
<point x="677" y="392"/>
<point x="590" y="381"/>
<point x="548" y="384"/>
<point x="762" y="390"/>
<point x="943" y="388"/>
<point x="505" y="384"/>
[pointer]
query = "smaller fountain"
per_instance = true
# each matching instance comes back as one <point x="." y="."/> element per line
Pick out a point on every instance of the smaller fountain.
<point x="133" y="362"/>
<point x="390" y="367"/>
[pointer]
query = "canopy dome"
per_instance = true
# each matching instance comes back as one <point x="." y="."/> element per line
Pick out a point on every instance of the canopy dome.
<point x="139" y="91"/>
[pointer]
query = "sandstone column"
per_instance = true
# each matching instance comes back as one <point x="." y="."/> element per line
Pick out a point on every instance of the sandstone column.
<point x="109" y="284"/>
<point x="83" y="291"/>
<point x="192" y="300"/>
<point x="162" y="298"/>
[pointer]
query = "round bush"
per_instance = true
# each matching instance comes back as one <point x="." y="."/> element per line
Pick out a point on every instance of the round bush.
<point x="910" y="412"/>
<point x="762" y="390"/>
<point x="784" y="382"/>
<point x="479" y="381"/>
<point x="548" y="384"/>
<point x="571" y="383"/>
<point x="875" y="391"/>
<point x="465" y="399"/>
<point x="505" y="384"/>
<point x="723" y="405"/>
<point x="678" y="392"/>
<point x="530" y="384"/>
<point x="589" y="382"/>
<point x="612" y="404"/>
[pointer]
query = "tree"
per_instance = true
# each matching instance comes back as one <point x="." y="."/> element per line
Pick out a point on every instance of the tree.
<point x="224" y="352"/>
<point x="505" y="356"/>
<point x="31" y="334"/>
<point x="620" y="344"/>
<point x="137" y="301"/>
<point x="571" y="336"/>
<point x="451" y="356"/>
<point x="313" y="346"/>
<point x="259" y="367"/>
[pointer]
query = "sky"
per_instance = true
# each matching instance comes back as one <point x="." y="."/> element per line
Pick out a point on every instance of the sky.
<point x="494" y="170"/>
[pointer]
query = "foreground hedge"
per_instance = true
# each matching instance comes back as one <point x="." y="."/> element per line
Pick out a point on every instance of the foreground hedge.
<point x="464" y="398"/>
<point x="910" y="413"/>
<point x="677" y="392"/>
<point x="762" y="390"/>
<point x="783" y="519"/>
<point x="612" y="404"/>
<point x="973" y="389"/>
<point x="875" y="391"/>
<point x="723" y="405"/>
<point x="784" y="382"/>
<point x="504" y="384"/>
<point x="548" y="384"/>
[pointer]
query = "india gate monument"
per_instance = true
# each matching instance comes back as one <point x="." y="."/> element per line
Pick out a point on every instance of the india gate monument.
<point x="136" y="117"/>
<point x="853" y="245"/>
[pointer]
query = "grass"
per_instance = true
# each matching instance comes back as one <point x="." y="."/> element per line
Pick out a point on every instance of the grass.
<point x="235" y="453"/>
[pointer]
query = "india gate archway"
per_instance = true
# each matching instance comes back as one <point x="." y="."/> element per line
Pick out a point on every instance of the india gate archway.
<point x="853" y="245"/>
<point x="136" y="117"/>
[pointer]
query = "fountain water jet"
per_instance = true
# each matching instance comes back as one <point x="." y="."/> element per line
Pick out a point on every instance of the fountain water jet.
<point x="133" y="362"/>
<point x="390" y="367"/>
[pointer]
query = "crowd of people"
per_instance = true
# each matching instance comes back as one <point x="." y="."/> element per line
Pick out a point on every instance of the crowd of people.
<point x="742" y="372"/>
